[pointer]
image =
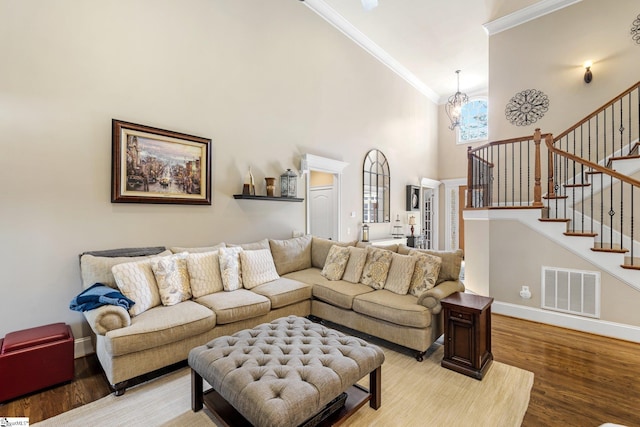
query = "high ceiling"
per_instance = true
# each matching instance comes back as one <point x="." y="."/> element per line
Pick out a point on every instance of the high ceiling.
<point x="431" y="39"/>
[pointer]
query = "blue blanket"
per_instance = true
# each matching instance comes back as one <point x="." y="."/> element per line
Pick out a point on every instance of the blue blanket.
<point x="99" y="295"/>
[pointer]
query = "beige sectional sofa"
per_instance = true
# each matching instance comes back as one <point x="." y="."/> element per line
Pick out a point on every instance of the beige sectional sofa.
<point x="261" y="282"/>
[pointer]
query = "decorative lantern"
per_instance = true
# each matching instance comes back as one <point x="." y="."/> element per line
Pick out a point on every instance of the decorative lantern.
<point x="365" y="233"/>
<point x="288" y="184"/>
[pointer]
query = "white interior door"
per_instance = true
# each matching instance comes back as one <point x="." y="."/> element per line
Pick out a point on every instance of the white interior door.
<point x="322" y="203"/>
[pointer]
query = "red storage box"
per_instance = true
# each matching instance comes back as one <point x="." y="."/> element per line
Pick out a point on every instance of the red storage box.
<point x="36" y="358"/>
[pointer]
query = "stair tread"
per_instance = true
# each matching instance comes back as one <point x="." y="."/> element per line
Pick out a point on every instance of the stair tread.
<point x="611" y="250"/>
<point x="555" y="197"/>
<point x="576" y="185"/>
<point x="579" y="234"/>
<point x="554" y="219"/>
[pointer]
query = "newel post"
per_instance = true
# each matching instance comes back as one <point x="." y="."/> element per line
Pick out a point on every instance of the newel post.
<point x="551" y="185"/>
<point x="469" y="178"/>
<point x="537" y="189"/>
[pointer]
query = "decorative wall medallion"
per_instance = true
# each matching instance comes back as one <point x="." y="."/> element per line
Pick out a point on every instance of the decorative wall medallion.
<point x="527" y="107"/>
<point x="635" y="30"/>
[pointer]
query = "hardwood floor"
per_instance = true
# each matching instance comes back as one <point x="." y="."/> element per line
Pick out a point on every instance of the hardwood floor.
<point x="580" y="379"/>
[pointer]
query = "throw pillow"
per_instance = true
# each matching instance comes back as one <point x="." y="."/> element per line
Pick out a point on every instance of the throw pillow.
<point x="425" y="272"/>
<point x="400" y="273"/>
<point x="137" y="282"/>
<point x="320" y="249"/>
<point x="204" y="273"/>
<point x="335" y="263"/>
<point x="230" y="270"/>
<point x="172" y="278"/>
<point x="451" y="263"/>
<point x="97" y="269"/>
<point x="376" y="268"/>
<point x="257" y="268"/>
<point x="179" y="249"/>
<point x="355" y="265"/>
<point x="291" y="254"/>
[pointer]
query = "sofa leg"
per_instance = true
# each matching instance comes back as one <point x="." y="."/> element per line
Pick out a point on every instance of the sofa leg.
<point x="420" y="355"/>
<point x="119" y="389"/>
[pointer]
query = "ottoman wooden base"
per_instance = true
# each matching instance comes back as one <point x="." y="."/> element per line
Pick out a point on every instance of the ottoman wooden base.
<point x="227" y="415"/>
<point x="285" y="373"/>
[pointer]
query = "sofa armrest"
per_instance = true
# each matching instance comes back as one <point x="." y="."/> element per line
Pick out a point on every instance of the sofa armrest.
<point x="431" y="298"/>
<point x="107" y="318"/>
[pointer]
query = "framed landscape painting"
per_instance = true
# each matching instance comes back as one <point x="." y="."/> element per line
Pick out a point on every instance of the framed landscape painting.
<point x="152" y="165"/>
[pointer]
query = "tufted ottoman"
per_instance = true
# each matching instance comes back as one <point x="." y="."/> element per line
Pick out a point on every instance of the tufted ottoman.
<point x="286" y="372"/>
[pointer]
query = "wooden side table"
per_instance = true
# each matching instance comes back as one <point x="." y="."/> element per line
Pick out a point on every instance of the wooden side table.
<point x="467" y="333"/>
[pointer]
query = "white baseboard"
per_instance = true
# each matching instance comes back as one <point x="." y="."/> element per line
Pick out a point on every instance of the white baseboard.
<point x="82" y="347"/>
<point x="563" y="320"/>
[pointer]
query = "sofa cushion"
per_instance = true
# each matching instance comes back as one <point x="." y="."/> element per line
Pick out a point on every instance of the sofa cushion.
<point x="376" y="268"/>
<point x="159" y="326"/>
<point x="97" y="269"/>
<point x="284" y="291"/>
<point x="257" y="268"/>
<point x="291" y="254"/>
<point x="230" y="270"/>
<point x="204" y="273"/>
<point x="337" y="292"/>
<point x="392" y="247"/>
<point x="320" y="249"/>
<point x="451" y="262"/>
<point x="355" y="265"/>
<point x="197" y="250"/>
<point x="336" y="262"/>
<point x="137" y="282"/>
<point x="251" y="246"/>
<point x="172" y="278"/>
<point x="399" y="309"/>
<point x="236" y="305"/>
<point x="400" y="273"/>
<point x="425" y="273"/>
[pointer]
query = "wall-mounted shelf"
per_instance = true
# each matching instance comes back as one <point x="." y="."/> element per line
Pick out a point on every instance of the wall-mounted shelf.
<point x="276" y="199"/>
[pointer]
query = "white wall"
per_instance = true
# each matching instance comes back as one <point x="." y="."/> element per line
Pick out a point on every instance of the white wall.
<point x="266" y="81"/>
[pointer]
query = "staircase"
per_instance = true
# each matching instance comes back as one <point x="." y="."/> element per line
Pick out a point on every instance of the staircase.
<point x="592" y="193"/>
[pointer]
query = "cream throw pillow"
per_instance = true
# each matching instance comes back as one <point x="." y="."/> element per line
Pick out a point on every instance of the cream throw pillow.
<point x="204" y="273"/>
<point x="400" y="273"/>
<point x="376" y="267"/>
<point x="425" y="272"/>
<point x="97" y="269"/>
<point x="172" y="278"/>
<point x="335" y="263"/>
<point x="355" y="265"/>
<point x="257" y="268"/>
<point x="230" y="270"/>
<point x="137" y="282"/>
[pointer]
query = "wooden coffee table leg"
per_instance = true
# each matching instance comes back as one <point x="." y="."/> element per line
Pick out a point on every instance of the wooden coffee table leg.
<point x="375" y="387"/>
<point x="196" y="391"/>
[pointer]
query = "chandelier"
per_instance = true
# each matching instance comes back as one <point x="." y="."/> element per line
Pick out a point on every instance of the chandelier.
<point x="454" y="105"/>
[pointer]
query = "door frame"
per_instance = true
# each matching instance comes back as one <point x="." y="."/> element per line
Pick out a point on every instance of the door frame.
<point x="452" y="210"/>
<point x="433" y="185"/>
<point x="311" y="162"/>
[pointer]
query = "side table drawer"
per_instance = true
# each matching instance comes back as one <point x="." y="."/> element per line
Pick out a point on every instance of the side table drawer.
<point x="459" y="315"/>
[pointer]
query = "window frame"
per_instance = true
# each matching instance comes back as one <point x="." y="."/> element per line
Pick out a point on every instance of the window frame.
<point x="471" y="141"/>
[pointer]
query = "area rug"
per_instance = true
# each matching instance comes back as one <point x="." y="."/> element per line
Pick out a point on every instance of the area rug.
<point x="413" y="394"/>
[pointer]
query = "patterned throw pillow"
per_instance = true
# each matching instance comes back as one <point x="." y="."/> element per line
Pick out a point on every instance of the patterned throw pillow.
<point x="335" y="262"/>
<point x="230" y="270"/>
<point x="355" y="265"/>
<point x="137" y="282"/>
<point x="376" y="268"/>
<point x="425" y="272"/>
<point x="204" y="273"/>
<point x="257" y="268"/>
<point x="400" y="273"/>
<point x="172" y="278"/>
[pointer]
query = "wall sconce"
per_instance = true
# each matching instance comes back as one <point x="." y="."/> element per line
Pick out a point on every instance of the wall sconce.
<point x="588" y="76"/>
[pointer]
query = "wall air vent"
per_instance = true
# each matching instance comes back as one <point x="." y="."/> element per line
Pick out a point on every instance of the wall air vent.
<point x="571" y="291"/>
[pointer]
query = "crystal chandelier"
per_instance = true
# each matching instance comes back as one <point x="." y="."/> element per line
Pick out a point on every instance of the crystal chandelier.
<point x="454" y="105"/>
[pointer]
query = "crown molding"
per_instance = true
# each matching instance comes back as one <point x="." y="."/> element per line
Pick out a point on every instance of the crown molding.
<point x="347" y="28"/>
<point x="527" y="14"/>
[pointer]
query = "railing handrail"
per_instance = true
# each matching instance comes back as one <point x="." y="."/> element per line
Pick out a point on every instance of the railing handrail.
<point x="596" y="112"/>
<point x="549" y="140"/>
<point x="501" y="142"/>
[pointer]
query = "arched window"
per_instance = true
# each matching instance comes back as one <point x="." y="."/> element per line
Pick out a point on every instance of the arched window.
<point x="473" y="122"/>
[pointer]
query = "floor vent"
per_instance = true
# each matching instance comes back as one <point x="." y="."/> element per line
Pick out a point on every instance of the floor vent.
<point x="571" y="291"/>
